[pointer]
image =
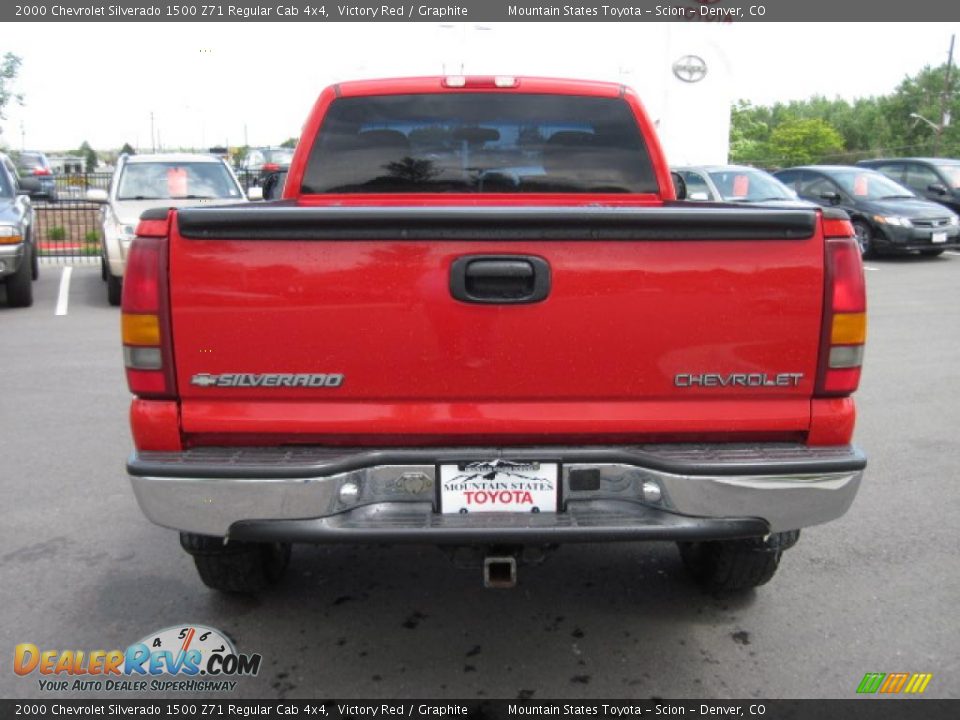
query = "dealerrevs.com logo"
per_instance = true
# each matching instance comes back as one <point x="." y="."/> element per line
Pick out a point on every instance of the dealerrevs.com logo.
<point x="182" y="658"/>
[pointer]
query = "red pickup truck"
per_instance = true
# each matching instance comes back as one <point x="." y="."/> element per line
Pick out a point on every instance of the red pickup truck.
<point x="479" y="317"/>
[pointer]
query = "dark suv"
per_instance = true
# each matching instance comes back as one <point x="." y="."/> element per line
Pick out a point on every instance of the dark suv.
<point x="886" y="216"/>
<point x="36" y="177"/>
<point x="936" y="179"/>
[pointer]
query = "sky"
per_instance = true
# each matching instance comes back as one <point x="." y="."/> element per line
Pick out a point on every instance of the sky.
<point x="210" y="84"/>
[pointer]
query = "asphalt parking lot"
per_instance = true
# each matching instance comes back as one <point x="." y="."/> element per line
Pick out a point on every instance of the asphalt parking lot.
<point x="876" y="591"/>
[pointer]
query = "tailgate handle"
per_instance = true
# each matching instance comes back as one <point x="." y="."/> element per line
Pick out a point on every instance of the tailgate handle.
<point x="500" y="279"/>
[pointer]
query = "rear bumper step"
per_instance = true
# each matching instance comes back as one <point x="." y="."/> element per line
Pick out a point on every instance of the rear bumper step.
<point x="700" y="492"/>
<point x="583" y="521"/>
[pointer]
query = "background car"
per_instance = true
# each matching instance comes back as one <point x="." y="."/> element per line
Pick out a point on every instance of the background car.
<point x="261" y="162"/>
<point x="936" y="179"/>
<point x="733" y="183"/>
<point x="886" y="216"/>
<point x="19" y="263"/>
<point x="36" y="175"/>
<point x="142" y="182"/>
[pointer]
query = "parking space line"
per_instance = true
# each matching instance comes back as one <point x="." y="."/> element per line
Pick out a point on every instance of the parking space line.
<point x="64" y="295"/>
<point x="951" y="252"/>
<point x="867" y="267"/>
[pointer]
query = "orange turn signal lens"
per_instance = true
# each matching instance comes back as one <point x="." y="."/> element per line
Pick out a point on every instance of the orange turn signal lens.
<point x="849" y="329"/>
<point x="140" y="329"/>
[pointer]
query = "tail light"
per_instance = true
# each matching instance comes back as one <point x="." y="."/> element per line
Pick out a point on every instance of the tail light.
<point x="270" y="167"/>
<point x="145" y="316"/>
<point x="844" y="312"/>
<point x="42" y="171"/>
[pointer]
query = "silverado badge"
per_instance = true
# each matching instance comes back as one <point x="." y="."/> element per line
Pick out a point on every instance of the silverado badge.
<point x="268" y="380"/>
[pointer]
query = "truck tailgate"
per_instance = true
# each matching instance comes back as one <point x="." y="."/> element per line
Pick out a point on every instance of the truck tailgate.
<point x="658" y="321"/>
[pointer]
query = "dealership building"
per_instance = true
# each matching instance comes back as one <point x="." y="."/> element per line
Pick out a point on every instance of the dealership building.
<point x="687" y="88"/>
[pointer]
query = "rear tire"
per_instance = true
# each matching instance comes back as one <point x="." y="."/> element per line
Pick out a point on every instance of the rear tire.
<point x="931" y="253"/>
<point x="20" y="284"/>
<point x="114" y="289"/>
<point x="236" y="567"/>
<point x="736" y="565"/>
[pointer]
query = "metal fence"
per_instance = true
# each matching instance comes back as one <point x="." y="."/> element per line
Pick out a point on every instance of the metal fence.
<point x="67" y="230"/>
<point x="75" y="186"/>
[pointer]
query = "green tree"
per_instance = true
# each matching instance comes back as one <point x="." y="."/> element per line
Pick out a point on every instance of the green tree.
<point x="238" y="155"/>
<point x="89" y="156"/>
<point x="804" y="141"/>
<point x="127" y="149"/>
<point x="749" y="133"/>
<point x="289" y="143"/>
<point x="868" y="127"/>
<point x="924" y="94"/>
<point x="9" y="67"/>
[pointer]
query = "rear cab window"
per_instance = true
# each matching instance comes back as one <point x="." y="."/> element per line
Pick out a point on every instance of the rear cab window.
<point x="479" y="143"/>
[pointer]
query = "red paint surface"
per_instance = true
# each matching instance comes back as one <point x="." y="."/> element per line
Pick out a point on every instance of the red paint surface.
<point x="598" y="356"/>
<point x="155" y="425"/>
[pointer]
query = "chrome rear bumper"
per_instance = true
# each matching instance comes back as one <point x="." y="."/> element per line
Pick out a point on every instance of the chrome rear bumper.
<point x="705" y="491"/>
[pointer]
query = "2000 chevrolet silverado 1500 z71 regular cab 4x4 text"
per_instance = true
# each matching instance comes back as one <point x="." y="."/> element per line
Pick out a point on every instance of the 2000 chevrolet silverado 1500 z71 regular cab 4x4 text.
<point x="480" y="318"/>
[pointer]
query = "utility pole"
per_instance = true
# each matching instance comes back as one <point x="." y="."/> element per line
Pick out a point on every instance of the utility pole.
<point x="153" y="137"/>
<point x="944" y="100"/>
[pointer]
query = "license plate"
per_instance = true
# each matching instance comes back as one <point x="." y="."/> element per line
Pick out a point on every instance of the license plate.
<point x="502" y="486"/>
<point x="938" y="237"/>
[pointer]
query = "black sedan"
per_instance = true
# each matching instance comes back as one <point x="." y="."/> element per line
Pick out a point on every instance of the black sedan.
<point x="887" y="217"/>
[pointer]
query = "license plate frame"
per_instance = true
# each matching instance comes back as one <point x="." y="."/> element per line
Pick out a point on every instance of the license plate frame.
<point x="498" y="486"/>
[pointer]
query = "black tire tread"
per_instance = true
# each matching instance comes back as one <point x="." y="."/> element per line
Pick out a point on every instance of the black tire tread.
<point x="34" y="260"/>
<point x="114" y="289"/>
<point x="236" y="567"/>
<point x="20" y="284"/>
<point x="736" y="565"/>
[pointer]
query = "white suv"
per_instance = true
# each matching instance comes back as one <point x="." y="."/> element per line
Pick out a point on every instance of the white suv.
<point x="142" y="182"/>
